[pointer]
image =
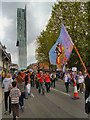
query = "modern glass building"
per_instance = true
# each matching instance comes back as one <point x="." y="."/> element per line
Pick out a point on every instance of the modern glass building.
<point x="21" y="37"/>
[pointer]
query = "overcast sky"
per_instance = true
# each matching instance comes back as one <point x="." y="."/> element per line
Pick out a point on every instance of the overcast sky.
<point x="38" y="14"/>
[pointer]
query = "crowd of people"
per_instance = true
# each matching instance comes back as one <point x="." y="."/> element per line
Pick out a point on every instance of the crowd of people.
<point x="72" y="77"/>
<point x="18" y="87"/>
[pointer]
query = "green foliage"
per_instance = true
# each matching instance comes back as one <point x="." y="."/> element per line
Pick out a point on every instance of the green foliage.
<point x="75" y="17"/>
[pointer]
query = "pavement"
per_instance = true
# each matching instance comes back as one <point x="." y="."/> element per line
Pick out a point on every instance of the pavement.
<point x="56" y="104"/>
<point x="0" y="101"/>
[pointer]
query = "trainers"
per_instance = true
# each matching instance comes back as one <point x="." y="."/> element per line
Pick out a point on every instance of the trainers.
<point x="10" y="114"/>
<point x="22" y="108"/>
<point x="6" y="112"/>
<point x="17" y="117"/>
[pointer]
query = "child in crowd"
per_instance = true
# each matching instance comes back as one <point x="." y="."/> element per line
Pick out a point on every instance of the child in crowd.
<point x="15" y="94"/>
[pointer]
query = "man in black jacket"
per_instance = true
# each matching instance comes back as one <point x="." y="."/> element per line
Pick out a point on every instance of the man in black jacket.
<point x="87" y="93"/>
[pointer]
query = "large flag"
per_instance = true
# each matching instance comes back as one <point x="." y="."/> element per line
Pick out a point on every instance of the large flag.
<point x="61" y="51"/>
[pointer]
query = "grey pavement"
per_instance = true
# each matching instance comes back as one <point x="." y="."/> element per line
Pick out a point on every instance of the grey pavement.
<point x="0" y="101"/>
<point x="56" y="104"/>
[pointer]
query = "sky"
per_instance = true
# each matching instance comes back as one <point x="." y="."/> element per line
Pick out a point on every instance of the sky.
<point x="38" y="14"/>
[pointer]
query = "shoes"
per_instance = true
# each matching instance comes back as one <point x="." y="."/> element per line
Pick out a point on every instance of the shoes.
<point x="10" y="114"/>
<point x="17" y="117"/>
<point x="79" y="90"/>
<point x="22" y="108"/>
<point x="43" y="93"/>
<point x="6" y="112"/>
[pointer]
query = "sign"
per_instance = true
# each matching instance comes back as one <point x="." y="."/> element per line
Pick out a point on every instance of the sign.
<point x="74" y="68"/>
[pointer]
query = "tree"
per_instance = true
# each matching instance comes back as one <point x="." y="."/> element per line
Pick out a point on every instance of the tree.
<point x="75" y="18"/>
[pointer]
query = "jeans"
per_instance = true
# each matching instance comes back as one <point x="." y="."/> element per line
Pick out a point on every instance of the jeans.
<point x="67" y="86"/>
<point x="41" y="84"/>
<point x="6" y="95"/>
<point x="21" y="101"/>
<point x="37" y="83"/>
<point x="32" y="83"/>
<point x="53" y="82"/>
<point x="47" y="86"/>
<point x="26" y="92"/>
<point x="15" y="109"/>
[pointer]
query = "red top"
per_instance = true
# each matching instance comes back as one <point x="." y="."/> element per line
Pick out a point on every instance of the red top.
<point x="71" y="75"/>
<point x="41" y="79"/>
<point x="47" y="78"/>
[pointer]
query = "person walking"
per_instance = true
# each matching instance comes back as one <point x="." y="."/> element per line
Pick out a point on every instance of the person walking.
<point x="26" y="83"/>
<point x="81" y="81"/>
<point x="15" y="94"/>
<point x="36" y="81"/>
<point x="87" y="93"/>
<point x="47" y="81"/>
<point x="7" y="82"/>
<point x="66" y="80"/>
<point x="32" y="79"/>
<point x="41" y="82"/>
<point x="76" y="80"/>
<point x="53" y="78"/>
<point x="21" y="87"/>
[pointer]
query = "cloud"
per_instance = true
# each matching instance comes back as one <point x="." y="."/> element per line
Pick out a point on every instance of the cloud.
<point x="38" y="15"/>
<point x="31" y="53"/>
<point x="14" y="57"/>
<point x="4" y="23"/>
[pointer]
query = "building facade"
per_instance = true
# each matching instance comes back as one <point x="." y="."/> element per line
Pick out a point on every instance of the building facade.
<point x="21" y="37"/>
<point x="5" y="59"/>
<point x="13" y="68"/>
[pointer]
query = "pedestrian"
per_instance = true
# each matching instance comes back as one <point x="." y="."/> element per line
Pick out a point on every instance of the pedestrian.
<point x="87" y="93"/>
<point x="21" y="87"/>
<point x="71" y="75"/>
<point x="15" y="94"/>
<point x="76" y="74"/>
<point x="85" y="74"/>
<point x="32" y="79"/>
<point x="66" y="80"/>
<point x="29" y="84"/>
<point x="7" y="82"/>
<point x="41" y="82"/>
<point x="36" y="81"/>
<point x="47" y="81"/>
<point x="53" y="78"/>
<point x="26" y="83"/>
<point x="77" y="81"/>
<point x="81" y="81"/>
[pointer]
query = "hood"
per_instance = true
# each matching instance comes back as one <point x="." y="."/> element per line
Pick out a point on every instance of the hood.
<point x="7" y="79"/>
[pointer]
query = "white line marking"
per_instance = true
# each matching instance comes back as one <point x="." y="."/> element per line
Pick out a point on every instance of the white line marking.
<point x="32" y="95"/>
<point x="60" y="91"/>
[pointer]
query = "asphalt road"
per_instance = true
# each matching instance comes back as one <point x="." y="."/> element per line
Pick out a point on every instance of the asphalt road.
<point x="56" y="104"/>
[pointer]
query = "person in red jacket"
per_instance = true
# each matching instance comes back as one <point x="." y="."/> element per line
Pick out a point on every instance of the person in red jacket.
<point x="41" y="82"/>
<point x="47" y="81"/>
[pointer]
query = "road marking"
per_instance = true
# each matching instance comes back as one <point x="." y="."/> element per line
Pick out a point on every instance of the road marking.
<point x="32" y="95"/>
<point x="60" y="91"/>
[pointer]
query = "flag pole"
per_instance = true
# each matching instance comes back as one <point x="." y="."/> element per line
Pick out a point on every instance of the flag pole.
<point x="81" y="61"/>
